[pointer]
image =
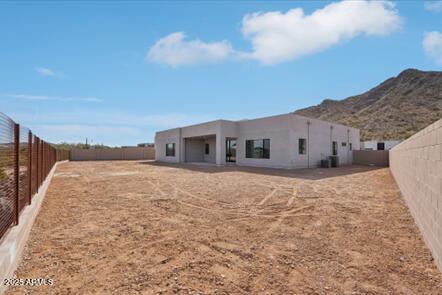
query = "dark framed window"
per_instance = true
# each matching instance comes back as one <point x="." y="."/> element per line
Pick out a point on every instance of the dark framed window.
<point x="207" y="150"/>
<point x="344" y="144"/>
<point x="302" y="146"/>
<point x="335" y="148"/>
<point x="381" y="146"/>
<point x="350" y="146"/>
<point x="258" y="148"/>
<point x="170" y="149"/>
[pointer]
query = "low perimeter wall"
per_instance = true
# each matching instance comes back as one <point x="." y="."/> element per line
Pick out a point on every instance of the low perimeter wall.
<point x="416" y="165"/>
<point x="375" y="158"/>
<point x="136" y="153"/>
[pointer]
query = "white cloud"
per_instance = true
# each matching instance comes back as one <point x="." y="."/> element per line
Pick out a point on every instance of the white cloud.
<point x="45" y="72"/>
<point x="174" y="50"/>
<point x="434" y="6"/>
<point x="283" y="36"/>
<point x="53" y="98"/>
<point x="277" y="37"/>
<point x="432" y="44"/>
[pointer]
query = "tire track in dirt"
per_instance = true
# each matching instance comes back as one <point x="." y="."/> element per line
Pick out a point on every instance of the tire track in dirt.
<point x="203" y="199"/>
<point x="293" y="243"/>
<point x="266" y="198"/>
<point x="157" y="188"/>
<point x="237" y="211"/>
<point x="292" y="198"/>
<point x="287" y="214"/>
<point x="231" y="208"/>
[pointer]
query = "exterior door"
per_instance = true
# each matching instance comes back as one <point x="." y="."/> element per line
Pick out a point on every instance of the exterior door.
<point x="335" y="148"/>
<point x="231" y="150"/>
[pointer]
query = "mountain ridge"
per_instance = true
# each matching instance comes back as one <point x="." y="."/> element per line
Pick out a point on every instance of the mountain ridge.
<point x="395" y="109"/>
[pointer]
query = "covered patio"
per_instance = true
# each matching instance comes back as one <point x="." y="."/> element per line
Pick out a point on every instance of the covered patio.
<point x="200" y="149"/>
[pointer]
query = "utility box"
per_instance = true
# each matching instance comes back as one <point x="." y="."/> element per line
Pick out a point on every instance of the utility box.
<point x="325" y="163"/>
<point x="334" y="161"/>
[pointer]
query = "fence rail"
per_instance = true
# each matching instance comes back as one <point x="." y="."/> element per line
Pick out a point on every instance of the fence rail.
<point x="25" y="162"/>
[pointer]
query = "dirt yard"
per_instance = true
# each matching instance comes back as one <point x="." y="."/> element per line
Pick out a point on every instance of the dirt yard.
<point x="141" y="227"/>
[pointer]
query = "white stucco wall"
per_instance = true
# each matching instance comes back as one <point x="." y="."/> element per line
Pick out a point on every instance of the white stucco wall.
<point x="373" y="144"/>
<point x="203" y="129"/>
<point x="164" y="137"/>
<point x="320" y="136"/>
<point x="211" y="157"/>
<point x="277" y="129"/>
<point x="283" y="131"/>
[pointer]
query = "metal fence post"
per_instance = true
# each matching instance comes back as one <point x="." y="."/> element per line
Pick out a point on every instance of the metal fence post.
<point x="29" y="167"/>
<point x="37" y="149"/>
<point x="34" y="164"/>
<point x="16" y="170"/>
<point x="37" y="162"/>
<point x="41" y="163"/>
<point x="45" y="158"/>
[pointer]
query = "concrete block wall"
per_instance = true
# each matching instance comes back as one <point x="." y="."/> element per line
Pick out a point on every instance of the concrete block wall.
<point x="416" y="165"/>
<point x="371" y="158"/>
<point x="132" y="153"/>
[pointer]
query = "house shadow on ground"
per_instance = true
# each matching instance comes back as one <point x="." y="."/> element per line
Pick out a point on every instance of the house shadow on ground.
<point x="303" y="173"/>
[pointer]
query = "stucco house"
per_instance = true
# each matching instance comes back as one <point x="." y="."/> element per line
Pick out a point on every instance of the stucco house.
<point x="282" y="141"/>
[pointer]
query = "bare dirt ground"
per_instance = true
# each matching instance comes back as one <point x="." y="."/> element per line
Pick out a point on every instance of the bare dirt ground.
<point x="141" y="227"/>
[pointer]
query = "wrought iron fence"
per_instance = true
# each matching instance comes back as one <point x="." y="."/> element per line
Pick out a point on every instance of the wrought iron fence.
<point x="25" y="162"/>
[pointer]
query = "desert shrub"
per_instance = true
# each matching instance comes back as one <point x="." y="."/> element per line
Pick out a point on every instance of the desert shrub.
<point x="3" y="174"/>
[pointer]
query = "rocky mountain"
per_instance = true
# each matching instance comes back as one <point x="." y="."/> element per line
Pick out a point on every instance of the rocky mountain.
<point x="395" y="109"/>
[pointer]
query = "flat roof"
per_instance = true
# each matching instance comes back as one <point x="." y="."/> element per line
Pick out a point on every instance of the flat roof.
<point x="260" y="118"/>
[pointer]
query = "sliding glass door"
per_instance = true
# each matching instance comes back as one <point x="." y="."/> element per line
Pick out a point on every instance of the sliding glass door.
<point x="231" y="150"/>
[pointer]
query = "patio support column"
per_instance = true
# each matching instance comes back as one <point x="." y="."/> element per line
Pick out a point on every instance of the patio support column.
<point x="181" y="147"/>
<point x="219" y="149"/>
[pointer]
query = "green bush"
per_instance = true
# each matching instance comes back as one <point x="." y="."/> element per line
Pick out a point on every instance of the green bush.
<point x="3" y="174"/>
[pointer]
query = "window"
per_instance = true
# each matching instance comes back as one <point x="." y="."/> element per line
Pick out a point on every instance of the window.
<point x="207" y="148"/>
<point x="344" y="144"/>
<point x="335" y="148"/>
<point x="258" y="148"/>
<point x="381" y="146"/>
<point x="302" y="146"/>
<point x="170" y="150"/>
<point x="350" y="146"/>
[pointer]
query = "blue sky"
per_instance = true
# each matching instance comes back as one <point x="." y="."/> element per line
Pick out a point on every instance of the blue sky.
<point x="116" y="72"/>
